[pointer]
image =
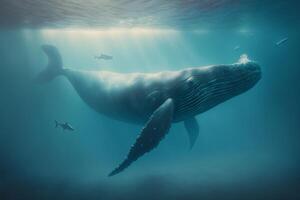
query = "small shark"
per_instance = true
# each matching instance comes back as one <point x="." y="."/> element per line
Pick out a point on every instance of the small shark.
<point x="282" y="41"/>
<point x="104" y="57"/>
<point x="64" y="126"/>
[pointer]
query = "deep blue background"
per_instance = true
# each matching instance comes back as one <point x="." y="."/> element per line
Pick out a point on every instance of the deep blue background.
<point x="247" y="148"/>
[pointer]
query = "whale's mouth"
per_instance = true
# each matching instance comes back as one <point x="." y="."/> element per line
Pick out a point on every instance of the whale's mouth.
<point x="226" y="82"/>
<point x="248" y="65"/>
<point x="257" y="74"/>
<point x="249" y="70"/>
<point x="253" y="69"/>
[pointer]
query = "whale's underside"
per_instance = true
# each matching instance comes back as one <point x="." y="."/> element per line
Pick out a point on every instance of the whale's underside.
<point x="155" y="100"/>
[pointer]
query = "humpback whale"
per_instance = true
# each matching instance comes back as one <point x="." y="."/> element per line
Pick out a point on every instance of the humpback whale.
<point x="155" y="100"/>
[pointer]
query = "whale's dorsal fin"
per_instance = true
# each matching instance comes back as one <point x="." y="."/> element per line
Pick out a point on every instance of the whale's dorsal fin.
<point x="154" y="131"/>
<point x="192" y="127"/>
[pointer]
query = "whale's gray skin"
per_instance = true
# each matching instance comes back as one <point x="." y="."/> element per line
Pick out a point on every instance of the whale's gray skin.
<point x="155" y="100"/>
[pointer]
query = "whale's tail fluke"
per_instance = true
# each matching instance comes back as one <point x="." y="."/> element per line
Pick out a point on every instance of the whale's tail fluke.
<point x="55" y="65"/>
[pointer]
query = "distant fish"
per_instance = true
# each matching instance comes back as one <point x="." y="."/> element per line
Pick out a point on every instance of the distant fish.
<point x="104" y="57"/>
<point x="282" y="41"/>
<point x="236" y="48"/>
<point x="64" y="126"/>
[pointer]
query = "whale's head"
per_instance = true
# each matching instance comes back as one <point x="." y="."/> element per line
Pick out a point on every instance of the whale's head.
<point x="231" y="80"/>
<point x="205" y="87"/>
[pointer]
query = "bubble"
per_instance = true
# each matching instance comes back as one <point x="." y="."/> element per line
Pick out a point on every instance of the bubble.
<point x="244" y="59"/>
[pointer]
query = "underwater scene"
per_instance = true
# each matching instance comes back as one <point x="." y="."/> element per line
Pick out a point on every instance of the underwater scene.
<point x="157" y="99"/>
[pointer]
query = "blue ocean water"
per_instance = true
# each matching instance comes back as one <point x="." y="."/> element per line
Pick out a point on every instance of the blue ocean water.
<point x="247" y="148"/>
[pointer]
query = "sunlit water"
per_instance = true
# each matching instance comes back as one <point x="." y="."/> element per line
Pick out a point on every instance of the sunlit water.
<point x="247" y="148"/>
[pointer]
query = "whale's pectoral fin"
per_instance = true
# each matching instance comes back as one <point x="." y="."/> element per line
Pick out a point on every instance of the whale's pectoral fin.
<point x="192" y="128"/>
<point x="153" y="132"/>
